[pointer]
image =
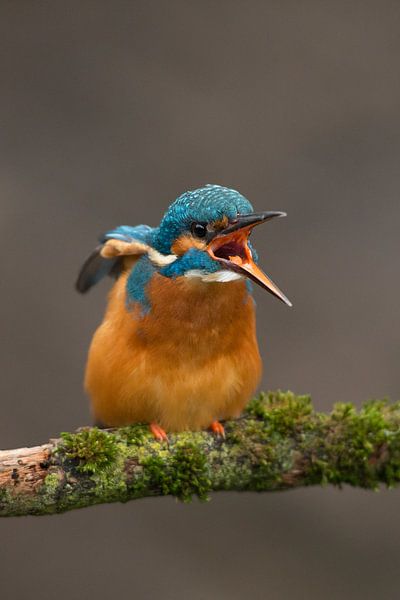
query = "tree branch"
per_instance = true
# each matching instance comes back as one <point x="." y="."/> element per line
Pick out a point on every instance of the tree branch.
<point x="280" y="443"/>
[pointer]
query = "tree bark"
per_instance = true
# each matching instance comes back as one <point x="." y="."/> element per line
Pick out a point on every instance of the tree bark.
<point x="280" y="443"/>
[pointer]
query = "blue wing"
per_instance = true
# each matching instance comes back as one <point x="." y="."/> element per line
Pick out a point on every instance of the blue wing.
<point x="96" y="267"/>
<point x="126" y="233"/>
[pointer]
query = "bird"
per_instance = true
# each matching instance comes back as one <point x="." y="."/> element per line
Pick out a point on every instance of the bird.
<point x="177" y="348"/>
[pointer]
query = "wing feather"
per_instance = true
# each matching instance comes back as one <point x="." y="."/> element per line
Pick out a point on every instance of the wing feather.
<point x="97" y="266"/>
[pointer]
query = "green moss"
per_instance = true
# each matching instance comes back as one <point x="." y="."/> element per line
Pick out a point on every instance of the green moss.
<point x="191" y="475"/>
<point x="91" y="450"/>
<point x="348" y="446"/>
<point x="51" y="483"/>
<point x="133" y="435"/>
<point x="265" y="451"/>
<point x="183" y="474"/>
<point x="361" y="448"/>
<point x="3" y="497"/>
<point x="283" y="412"/>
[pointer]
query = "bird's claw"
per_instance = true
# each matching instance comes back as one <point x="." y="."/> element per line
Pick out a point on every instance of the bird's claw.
<point x="217" y="428"/>
<point x="158" y="432"/>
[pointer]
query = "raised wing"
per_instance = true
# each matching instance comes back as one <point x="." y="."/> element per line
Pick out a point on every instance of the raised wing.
<point x="109" y="256"/>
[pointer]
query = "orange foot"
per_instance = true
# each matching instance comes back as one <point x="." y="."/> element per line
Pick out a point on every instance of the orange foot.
<point x="158" y="432"/>
<point x="217" y="428"/>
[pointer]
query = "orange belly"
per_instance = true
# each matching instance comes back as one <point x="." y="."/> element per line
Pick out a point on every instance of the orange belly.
<point x="191" y="360"/>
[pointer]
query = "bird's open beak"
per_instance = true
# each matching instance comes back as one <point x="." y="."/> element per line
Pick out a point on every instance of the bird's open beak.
<point x="230" y="247"/>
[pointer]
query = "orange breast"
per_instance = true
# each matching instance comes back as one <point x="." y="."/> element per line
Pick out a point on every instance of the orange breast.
<point x="191" y="360"/>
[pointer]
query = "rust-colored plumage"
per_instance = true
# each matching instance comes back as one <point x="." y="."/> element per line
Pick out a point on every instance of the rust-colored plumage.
<point x="184" y="364"/>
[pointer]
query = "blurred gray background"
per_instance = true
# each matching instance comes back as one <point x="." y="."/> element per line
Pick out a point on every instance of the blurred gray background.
<point x="108" y="111"/>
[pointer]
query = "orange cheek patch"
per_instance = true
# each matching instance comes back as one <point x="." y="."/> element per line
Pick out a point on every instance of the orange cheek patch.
<point x="185" y="242"/>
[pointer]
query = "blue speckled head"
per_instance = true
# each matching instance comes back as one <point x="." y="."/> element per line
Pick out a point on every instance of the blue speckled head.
<point x="227" y="249"/>
<point x="203" y="205"/>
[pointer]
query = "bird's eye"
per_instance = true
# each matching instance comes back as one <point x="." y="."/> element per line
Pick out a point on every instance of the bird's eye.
<point x="198" y="229"/>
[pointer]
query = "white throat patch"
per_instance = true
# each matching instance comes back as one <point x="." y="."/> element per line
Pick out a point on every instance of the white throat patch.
<point x="160" y="260"/>
<point x="223" y="276"/>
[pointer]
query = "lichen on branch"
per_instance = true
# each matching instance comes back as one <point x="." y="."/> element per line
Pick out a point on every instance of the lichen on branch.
<point x="280" y="442"/>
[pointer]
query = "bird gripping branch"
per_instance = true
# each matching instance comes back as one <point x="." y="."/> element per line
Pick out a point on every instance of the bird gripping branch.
<point x="177" y="347"/>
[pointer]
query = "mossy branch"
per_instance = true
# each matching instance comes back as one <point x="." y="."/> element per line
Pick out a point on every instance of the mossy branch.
<point x="280" y="443"/>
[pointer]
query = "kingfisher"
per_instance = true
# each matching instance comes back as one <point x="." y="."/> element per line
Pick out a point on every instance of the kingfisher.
<point x="177" y="348"/>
